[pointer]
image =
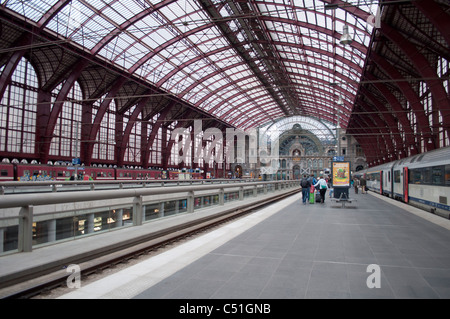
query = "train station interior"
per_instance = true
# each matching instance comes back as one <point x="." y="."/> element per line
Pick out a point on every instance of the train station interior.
<point x="140" y="114"/>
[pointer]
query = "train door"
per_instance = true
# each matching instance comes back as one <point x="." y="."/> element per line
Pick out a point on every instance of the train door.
<point x="405" y="184"/>
<point x="392" y="183"/>
<point x="387" y="182"/>
<point x="381" y="183"/>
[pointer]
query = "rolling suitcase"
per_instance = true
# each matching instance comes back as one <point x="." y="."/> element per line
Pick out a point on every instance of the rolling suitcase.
<point x="318" y="198"/>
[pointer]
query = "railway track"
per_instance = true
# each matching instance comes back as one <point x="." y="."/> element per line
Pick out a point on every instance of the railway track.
<point x="43" y="283"/>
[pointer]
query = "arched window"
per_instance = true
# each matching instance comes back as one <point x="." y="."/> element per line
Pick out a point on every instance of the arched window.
<point x="105" y="140"/>
<point x="155" y="149"/>
<point x="133" y="151"/>
<point x="18" y="111"/>
<point x="67" y="132"/>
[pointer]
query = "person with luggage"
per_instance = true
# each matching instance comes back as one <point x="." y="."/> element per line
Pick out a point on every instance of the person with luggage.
<point x="312" y="191"/>
<point x="305" y="184"/>
<point x="322" y="184"/>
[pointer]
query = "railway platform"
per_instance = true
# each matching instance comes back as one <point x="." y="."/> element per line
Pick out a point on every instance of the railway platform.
<point x="22" y="271"/>
<point x="375" y="248"/>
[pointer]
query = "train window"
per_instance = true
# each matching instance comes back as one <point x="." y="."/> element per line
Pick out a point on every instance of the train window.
<point x="415" y="176"/>
<point x="4" y="172"/>
<point x="447" y="175"/>
<point x="429" y="175"/>
<point x="438" y="175"/>
<point x="396" y="176"/>
<point x="426" y="175"/>
<point x="120" y="174"/>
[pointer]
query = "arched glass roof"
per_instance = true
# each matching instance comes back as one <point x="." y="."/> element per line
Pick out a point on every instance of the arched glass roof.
<point x="246" y="63"/>
<point x="325" y="132"/>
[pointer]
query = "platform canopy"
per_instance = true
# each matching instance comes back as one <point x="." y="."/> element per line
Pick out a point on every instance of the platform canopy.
<point x="246" y="62"/>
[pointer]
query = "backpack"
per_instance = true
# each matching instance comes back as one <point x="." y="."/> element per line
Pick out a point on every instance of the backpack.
<point x="304" y="183"/>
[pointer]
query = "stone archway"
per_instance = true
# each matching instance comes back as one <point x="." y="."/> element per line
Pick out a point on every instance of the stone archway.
<point x="296" y="174"/>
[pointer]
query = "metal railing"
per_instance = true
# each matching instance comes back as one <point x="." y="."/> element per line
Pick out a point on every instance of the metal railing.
<point x="31" y="220"/>
<point x="16" y="187"/>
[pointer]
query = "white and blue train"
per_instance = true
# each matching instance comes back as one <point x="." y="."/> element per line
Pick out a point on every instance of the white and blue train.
<point x="421" y="180"/>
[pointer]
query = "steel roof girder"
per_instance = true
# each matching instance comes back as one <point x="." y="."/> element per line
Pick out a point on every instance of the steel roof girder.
<point x="438" y="17"/>
<point x="95" y="127"/>
<point x="410" y="95"/>
<point x="75" y="73"/>
<point x="422" y="65"/>
<point x="389" y="118"/>
<point x="383" y="125"/>
<point x="123" y="27"/>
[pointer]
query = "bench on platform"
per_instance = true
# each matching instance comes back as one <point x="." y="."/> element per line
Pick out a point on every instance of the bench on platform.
<point x="343" y="200"/>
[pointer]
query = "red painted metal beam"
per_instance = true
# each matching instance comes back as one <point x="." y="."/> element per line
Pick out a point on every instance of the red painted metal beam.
<point x="122" y="143"/>
<point x="99" y="117"/>
<point x="410" y="95"/>
<point x="77" y="68"/>
<point x="423" y="67"/>
<point x="145" y="147"/>
<point x="130" y="22"/>
<point x="437" y="15"/>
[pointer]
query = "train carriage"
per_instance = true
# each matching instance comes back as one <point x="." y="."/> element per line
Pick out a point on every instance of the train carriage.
<point x="7" y="172"/>
<point x="421" y="180"/>
<point x="425" y="181"/>
<point x="379" y="179"/>
<point x="41" y="172"/>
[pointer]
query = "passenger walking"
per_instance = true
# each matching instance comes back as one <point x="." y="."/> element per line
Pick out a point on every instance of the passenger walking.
<point x="305" y="184"/>
<point x="322" y="184"/>
<point x="330" y="187"/>
<point x="363" y="185"/>
<point x="356" y="185"/>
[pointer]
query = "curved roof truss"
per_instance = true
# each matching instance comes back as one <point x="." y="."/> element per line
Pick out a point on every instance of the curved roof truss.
<point x="245" y="62"/>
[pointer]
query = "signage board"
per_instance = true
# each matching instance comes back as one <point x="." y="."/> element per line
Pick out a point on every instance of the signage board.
<point x="341" y="174"/>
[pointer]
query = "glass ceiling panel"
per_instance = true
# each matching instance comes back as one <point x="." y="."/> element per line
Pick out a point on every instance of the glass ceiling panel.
<point x="325" y="131"/>
<point x="179" y="47"/>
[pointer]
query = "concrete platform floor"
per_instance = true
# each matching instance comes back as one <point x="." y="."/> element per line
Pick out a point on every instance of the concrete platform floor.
<point x="294" y="251"/>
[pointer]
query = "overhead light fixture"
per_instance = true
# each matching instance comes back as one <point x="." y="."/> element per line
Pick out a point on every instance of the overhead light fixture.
<point x="330" y="6"/>
<point x="346" y="38"/>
